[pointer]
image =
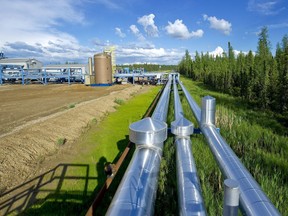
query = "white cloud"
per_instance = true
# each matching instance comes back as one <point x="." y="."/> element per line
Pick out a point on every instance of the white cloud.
<point x="265" y="7"/>
<point x="278" y="26"/>
<point x="137" y="33"/>
<point x="134" y="29"/>
<point x="119" y="32"/>
<point x="147" y="21"/>
<point x="219" y="24"/>
<point x="29" y="29"/>
<point x="149" y="54"/>
<point x="180" y="30"/>
<point x="107" y="3"/>
<point x="217" y="52"/>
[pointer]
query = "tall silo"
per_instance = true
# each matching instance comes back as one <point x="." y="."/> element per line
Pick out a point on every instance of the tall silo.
<point x="90" y="77"/>
<point x="103" y="69"/>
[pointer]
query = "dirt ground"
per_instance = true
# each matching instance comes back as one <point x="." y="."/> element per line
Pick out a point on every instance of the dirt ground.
<point x="34" y="117"/>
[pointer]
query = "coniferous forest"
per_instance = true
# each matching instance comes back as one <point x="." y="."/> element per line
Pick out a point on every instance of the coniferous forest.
<point x="260" y="78"/>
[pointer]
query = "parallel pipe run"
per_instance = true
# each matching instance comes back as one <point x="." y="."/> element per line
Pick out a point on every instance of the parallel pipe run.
<point x="194" y="106"/>
<point x="137" y="191"/>
<point x="190" y="199"/>
<point x="161" y="110"/>
<point x="253" y="200"/>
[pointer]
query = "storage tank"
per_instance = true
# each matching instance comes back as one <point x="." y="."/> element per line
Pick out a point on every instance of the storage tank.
<point x="103" y="69"/>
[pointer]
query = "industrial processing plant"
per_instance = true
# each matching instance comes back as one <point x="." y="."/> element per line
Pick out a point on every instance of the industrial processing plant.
<point x="99" y="71"/>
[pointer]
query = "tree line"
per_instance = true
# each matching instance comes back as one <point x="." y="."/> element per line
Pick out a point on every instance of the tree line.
<point x="150" y="67"/>
<point x="259" y="78"/>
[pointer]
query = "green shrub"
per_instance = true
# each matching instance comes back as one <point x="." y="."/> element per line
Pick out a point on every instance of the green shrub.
<point x="70" y="106"/>
<point x="119" y="101"/>
<point x="61" y="141"/>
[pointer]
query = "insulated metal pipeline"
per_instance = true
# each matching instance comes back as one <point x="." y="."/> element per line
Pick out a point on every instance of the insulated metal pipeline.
<point x="137" y="191"/>
<point x="190" y="199"/>
<point x="161" y="110"/>
<point x="253" y="200"/>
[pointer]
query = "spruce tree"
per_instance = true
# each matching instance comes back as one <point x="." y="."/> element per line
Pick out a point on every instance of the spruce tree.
<point x="262" y="67"/>
<point x="282" y="60"/>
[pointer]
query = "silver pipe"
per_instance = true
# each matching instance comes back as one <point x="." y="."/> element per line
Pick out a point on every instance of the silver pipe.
<point x="231" y="197"/>
<point x="194" y="106"/>
<point x="136" y="193"/>
<point x="161" y="110"/>
<point x="253" y="200"/>
<point x="190" y="199"/>
<point x="178" y="111"/>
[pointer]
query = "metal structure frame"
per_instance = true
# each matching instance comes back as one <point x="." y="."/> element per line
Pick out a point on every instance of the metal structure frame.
<point x="156" y="77"/>
<point x="12" y="73"/>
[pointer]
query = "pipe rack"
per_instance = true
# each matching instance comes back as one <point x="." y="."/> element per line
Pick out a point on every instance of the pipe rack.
<point x="9" y="73"/>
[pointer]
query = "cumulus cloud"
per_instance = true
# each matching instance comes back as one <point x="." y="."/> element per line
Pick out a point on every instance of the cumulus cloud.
<point x="29" y="28"/>
<point x="147" y="21"/>
<point x="217" y="52"/>
<point x="149" y="54"/>
<point x="219" y="24"/>
<point x="179" y="30"/>
<point x="137" y="33"/>
<point x="134" y="29"/>
<point x="265" y="7"/>
<point x="119" y="32"/>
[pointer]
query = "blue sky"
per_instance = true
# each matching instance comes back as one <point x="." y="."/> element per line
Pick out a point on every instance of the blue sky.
<point x="142" y="31"/>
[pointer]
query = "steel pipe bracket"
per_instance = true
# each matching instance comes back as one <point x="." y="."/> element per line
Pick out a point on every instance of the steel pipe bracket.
<point x="182" y="127"/>
<point x="208" y="110"/>
<point x="148" y="132"/>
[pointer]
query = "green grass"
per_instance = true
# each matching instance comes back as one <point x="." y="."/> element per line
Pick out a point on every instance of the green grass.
<point x="70" y="106"/>
<point x="258" y="139"/>
<point x="119" y="101"/>
<point x="73" y="186"/>
<point x="208" y="171"/>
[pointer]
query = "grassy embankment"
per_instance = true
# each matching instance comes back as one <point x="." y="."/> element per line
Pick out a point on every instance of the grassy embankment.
<point x="257" y="138"/>
<point x="73" y="187"/>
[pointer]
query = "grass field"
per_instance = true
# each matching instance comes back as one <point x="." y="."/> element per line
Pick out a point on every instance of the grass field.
<point x="79" y="181"/>
<point x="258" y="139"/>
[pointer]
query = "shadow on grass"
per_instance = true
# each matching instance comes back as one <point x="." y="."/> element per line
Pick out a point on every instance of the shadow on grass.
<point x="46" y="193"/>
<point x="103" y="204"/>
<point x="60" y="192"/>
